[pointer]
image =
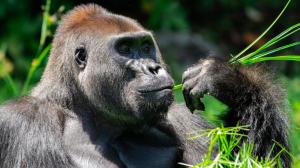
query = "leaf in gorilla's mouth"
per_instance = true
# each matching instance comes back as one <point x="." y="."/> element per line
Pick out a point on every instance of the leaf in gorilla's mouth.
<point x="177" y="87"/>
<point x="149" y="90"/>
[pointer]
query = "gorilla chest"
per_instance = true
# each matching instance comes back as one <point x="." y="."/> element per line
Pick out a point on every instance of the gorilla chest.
<point x="149" y="149"/>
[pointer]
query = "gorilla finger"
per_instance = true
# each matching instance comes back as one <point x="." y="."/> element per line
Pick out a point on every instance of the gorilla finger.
<point x="187" y="99"/>
<point x="191" y="73"/>
<point x="197" y="104"/>
<point x="190" y="84"/>
<point x="198" y="91"/>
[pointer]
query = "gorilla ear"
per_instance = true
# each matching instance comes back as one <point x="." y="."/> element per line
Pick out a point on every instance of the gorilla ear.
<point x="81" y="56"/>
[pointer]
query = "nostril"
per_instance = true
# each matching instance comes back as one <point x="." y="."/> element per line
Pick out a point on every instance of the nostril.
<point x="154" y="70"/>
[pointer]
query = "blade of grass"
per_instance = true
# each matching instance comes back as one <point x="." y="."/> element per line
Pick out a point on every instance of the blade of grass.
<point x="274" y="58"/>
<point x="40" y="53"/>
<point x="276" y="50"/>
<point x="262" y="35"/>
<point x="288" y="32"/>
<point x="44" y="26"/>
<point x="283" y="148"/>
<point x="177" y="87"/>
<point x="35" y="64"/>
<point x="8" y="79"/>
<point x="241" y="60"/>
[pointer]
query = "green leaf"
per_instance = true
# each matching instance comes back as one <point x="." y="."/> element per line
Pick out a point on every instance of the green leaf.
<point x="35" y="64"/>
<point x="214" y="109"/>
<point x="270" y="52"/>
<point x="262" y="35"/>
<point x="177" y="87"/>
<point x="274" y="58"/>
<point x="286" y="33"/>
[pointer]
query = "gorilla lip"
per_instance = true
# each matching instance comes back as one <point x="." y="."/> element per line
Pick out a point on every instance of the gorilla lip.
<point x="155" y="89"/>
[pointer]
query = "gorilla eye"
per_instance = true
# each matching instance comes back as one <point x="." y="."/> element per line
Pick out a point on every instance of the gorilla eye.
<point x="124" y="48"/>
<point x="81" y="56"/>
<point x="146" y="48"/>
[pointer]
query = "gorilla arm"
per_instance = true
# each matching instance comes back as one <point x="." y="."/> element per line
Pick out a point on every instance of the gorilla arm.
<point x="30" y="136"/>
<point x="184" y="122"/>
<point x="251" y="96"/>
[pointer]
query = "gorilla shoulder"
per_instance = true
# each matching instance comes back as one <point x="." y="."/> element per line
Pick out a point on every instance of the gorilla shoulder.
<point x="25" y="125"/>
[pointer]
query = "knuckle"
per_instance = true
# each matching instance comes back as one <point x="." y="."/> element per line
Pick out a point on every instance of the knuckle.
<point x="185" y="87"/>
<point x="206" y="61"/>
<point x="184" y="75"/>
<point x="194" y="93"/>
<point x="191" y="73"/>
<point x="189" y="84"/>
<point x="187" y="72"/>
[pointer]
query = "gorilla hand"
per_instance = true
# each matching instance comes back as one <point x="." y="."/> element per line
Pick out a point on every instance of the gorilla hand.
<point x="209" y="76"/>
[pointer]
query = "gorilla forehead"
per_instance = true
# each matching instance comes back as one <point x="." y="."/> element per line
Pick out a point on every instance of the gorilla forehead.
<point x="92" y="17"/>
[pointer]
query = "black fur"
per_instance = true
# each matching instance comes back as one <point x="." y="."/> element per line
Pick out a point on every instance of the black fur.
<point x="254" y="99"/>
<point x="112" y="105"/>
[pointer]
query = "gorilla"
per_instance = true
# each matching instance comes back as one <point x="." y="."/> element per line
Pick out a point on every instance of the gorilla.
<point x="105" y="100"/>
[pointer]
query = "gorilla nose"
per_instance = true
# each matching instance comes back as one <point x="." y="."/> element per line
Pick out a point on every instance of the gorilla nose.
<point x="145" y="67"/>
<point x="150" y="75"/>
<point x="152" y="69"/>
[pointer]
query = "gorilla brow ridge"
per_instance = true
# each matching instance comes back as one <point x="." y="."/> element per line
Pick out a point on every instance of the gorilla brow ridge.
<point x="94" y="17"/>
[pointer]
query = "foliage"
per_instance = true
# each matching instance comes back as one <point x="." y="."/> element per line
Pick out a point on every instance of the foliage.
<point x="42" y="52"/>
<point x="15" y="60"/>
<point x="166" y="10"/>
<point x="229" y="140"/>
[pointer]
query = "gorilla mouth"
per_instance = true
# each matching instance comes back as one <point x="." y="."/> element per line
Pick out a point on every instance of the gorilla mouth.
<point x="150" y="90"/>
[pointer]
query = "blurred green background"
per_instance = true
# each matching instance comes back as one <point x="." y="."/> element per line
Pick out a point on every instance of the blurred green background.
<point x="186" y="30"/>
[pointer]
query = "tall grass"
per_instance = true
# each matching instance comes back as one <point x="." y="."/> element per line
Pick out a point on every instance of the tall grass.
<point x="229" y="141"/>
<point x="41" y="54"/>
<point x="42" y="51"/>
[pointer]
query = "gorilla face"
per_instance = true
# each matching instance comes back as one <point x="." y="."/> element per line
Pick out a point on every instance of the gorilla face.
<point x="123" y="76"/>
<point x="148" y="88"/>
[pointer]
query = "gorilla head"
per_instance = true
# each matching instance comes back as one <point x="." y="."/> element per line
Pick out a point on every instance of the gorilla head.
<point x="113" y="63"/>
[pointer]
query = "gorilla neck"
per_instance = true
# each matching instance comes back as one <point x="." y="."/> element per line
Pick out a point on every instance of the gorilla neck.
<point x="57" y="84"/>
<point x="57" y="91"/>
<point x="61" y="94"/>
<point x="128" y="124"/>
<point x="54" y="94"/>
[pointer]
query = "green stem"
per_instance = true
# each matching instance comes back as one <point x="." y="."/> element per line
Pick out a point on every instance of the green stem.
<point x="262" y="35"/>
<point x="177" y="87"/>
<point x="288" y="32"/>
<point x="40" y="55"/>
<point x="269" y="52"/>
<point x="274" y="58"/>
<point x="11" y="83"/>
<point x="44" y="26"/>
<point x="35" y="64"/>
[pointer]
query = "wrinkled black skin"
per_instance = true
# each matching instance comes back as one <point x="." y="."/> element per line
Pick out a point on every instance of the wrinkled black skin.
<point x="113" y="107"/>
